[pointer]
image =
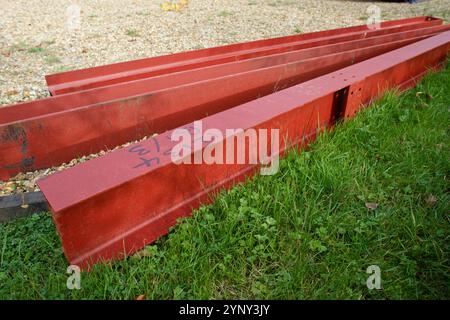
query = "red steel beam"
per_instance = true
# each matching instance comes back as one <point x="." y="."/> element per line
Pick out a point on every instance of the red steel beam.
<point x="126" y="71"/>
<point x="112" y="206"/>
<point x="44" y="141"/>
<point x="22" y="111"/>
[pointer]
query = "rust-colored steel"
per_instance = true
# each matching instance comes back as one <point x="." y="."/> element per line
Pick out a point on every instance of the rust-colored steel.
<point x="50" y="139"/>
<point x="22" y="111"/>
<point x="115" y="204"/>
<point x="126" y="71"/>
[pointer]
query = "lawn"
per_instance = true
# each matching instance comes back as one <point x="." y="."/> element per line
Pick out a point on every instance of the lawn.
<point x="374" y="191"/>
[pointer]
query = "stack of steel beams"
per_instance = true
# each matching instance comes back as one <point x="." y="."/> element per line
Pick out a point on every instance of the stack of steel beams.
<point x="115" y="204"/>
<point x="158" y="94"/>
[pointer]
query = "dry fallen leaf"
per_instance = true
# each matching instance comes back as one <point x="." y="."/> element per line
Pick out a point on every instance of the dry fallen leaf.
<point x="371" y="205"/>
<point x="174" y="6"/>
<point x="142" y="253"/>
<point x="140" y="297"/>
<point x="423" y="102"/>
<point x="431" y="200"/>
<point x="427" y="95"/>
<point x="12" y="92"/>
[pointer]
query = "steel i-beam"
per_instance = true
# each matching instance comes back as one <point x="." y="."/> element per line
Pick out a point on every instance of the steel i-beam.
<point x="89" y="78"/>
<point x="25" y="110"/>
<point x="112" y="206"/>
<point x="44" y="139"/>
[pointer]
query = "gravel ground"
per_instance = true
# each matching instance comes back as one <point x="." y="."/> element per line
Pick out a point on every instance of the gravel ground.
<point x="43" y="37"/>
<point x="26" y="182"/>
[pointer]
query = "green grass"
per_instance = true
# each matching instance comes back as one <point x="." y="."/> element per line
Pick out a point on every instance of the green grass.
<point x="225" y="13"/>
<point x="304" y="233"/>
<point x="48" y="56"/>
<point x="143" y="13"/>
<point x="132" y="33"/>
<point x="51" y="59"/>
<point x="62" y="68"/>
<point x="278" y="3"/>
<point x="35" y="50"/>
<point x="20" y="46"/>
<point x="363" y="18"/>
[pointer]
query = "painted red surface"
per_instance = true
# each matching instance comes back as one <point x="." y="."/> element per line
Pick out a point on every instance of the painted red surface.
<point x="21" y="111"/>
<point x="114" y="205"/>
<point x="132" y="70"/>
<point x="51" y="131"/>
<point x="51" y="139"/>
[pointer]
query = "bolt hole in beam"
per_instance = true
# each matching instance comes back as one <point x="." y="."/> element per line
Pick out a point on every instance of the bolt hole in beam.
<point x="339" y="102"/>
